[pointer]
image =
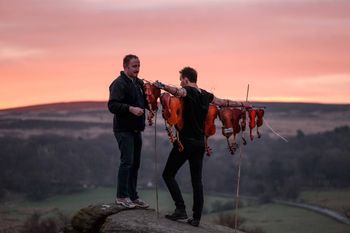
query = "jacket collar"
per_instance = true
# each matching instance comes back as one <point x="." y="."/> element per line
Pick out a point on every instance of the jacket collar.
<point x="126" y="78"/>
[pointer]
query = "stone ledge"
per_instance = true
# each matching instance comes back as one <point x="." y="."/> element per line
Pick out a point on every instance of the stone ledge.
<point x="111" y="218"/>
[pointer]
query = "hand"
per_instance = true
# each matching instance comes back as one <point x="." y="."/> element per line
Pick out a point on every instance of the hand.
<point x="150" y="115"/>
<point x="159" y="84"/>
<point x="136" y="110"/>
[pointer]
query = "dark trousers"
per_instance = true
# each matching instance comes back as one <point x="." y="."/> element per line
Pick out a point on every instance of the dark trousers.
<point x="130" y="144"/>
<point x="194" y="155"/>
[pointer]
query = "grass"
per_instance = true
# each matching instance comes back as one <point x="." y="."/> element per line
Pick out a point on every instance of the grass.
<point x="18" y="209"/>
<point x="274" y="218"/>
<point x="332" y="199"/>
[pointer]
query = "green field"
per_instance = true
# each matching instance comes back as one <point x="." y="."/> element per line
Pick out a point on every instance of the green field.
<point x="73" y="202"/>
<point x="272" y="218"/>
<point x="17" y="209"/>
<point x="332" y="199"/>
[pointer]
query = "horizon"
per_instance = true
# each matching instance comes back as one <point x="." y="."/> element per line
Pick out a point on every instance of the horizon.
<point x="287" y="51"/>
<point x="105" y="101"/>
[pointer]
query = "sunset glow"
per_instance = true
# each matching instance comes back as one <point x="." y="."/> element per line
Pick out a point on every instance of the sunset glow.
<point x="71" y="50"/>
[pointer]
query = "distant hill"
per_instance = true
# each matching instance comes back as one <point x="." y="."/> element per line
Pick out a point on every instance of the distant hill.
<point x="94" y="118"/>
<point x="271" y="106"/>
<point x="274" y="106"/>
<point x="61" y="106"/>
<point x="302" y="107"/>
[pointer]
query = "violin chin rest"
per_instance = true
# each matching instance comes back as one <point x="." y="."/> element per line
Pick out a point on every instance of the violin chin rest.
<point x="227" y="131"/>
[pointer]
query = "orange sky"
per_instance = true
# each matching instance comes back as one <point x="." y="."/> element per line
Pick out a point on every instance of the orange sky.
<point x="71" y="50"/>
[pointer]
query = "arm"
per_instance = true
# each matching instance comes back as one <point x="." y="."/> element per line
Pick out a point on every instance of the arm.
<point x="116" y="96"/>
<point x="179" y="92"/>
<point x="115" y="102"/>
<point x="226" y="102"/>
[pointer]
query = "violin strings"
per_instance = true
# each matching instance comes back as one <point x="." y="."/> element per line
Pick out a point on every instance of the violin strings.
<point x="273" y="131"/>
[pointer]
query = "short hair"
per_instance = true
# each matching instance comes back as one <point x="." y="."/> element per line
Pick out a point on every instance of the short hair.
<point x="189" y="73"/>
<point x="128" y="58"/>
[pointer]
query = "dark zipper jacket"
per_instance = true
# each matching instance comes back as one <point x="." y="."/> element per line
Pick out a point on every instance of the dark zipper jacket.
<point x="123" y="93"/>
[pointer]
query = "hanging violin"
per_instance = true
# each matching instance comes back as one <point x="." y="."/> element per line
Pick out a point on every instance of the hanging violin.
<point x="172" y="114"/>
<point x="152" y="94"/>
<point x="210" y="128"/>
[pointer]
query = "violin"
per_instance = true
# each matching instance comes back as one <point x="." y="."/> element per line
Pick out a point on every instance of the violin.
<point x="259" y="120"/>
<point x="252" y="115"/>
<point x="226" y="116"/>
<point x="236" y="116"/>
<point x="152" y="94"/>
<point x="244" y="124"/>
<point x="172" y="114"/>
<point x="210" y="128"/>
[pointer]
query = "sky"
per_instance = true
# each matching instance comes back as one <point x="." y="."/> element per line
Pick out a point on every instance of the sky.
<point x="71" y="50"/>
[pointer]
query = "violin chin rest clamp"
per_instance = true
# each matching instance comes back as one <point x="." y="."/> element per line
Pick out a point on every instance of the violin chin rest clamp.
<point x="227" y="131"/>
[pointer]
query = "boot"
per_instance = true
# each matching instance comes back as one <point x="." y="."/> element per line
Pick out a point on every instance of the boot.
<point x="194" y="222"/>
<point x="177" y="215"/>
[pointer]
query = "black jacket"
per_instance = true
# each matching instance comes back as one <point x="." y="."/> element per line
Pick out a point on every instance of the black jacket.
<point x="122" y="94"/>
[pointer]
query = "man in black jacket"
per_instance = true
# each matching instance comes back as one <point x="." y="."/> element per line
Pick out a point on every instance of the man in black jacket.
<point x="196" y="104"/>
<point x="127" y="101"/>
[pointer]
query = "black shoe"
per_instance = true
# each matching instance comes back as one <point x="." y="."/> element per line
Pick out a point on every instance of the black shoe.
<point x="177" y="215"/>
<point x="194" y="222"/>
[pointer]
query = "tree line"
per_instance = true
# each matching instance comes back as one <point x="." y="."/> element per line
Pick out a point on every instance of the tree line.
<point x="45" y="165"/>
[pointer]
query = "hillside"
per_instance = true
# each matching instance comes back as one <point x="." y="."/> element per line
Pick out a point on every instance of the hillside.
<point x="61" y="106"/>
<point x="91" y="119"/>
<point x="42" y="147"/>
<point x="50" y="139"/>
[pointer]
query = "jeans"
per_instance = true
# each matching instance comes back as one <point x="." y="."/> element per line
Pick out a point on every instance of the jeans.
<point x="194" y="154"/>
<point x="130" y="144"/>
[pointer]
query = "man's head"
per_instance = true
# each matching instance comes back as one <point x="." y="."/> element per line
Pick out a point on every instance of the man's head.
<point x="131" y="64"/>
<point x="188" y="75"/>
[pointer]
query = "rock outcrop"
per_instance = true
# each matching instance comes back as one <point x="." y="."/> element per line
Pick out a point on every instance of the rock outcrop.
<point x="113" y="218"/>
